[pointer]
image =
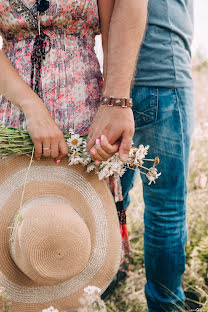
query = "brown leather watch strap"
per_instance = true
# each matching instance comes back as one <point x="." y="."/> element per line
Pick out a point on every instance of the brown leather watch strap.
<point x="112" y="101"/>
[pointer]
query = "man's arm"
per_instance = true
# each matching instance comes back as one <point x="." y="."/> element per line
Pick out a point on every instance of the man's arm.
<point x="105" y="12"/>
<point x="126" y="32"/>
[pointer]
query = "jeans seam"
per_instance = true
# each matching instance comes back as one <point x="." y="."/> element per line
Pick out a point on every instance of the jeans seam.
<point x="157" y="107"/>
<point x="182" y="133"/>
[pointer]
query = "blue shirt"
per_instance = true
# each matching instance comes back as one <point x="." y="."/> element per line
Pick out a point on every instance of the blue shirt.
<point x="165" y="56"/>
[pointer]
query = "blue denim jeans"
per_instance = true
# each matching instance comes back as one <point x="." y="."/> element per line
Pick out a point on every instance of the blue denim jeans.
<point x="164" y="119"/>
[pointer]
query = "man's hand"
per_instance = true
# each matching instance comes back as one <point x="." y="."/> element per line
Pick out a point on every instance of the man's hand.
<point x="112" y="130"/>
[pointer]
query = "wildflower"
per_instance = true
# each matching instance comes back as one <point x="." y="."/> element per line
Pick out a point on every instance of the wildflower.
<point x="90" y="290"/>
<point x="51" y="309"/>
<point x="75" y="158"/>
<point x="91" y="301"/>
<point x="91" y="167"/>
<point x="152" y="175"/>
<point x="1" y="42"/>
<point x="113" y="166"/>
<point x="141" y="153"/>
<point x="74" y="141"/>
<point x="78" y="154"/>
<point x="137" y="155"/>
<point x="71" y="131"/>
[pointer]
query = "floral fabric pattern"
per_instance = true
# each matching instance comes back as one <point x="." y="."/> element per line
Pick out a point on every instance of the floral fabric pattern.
<point x="71" y="81"/>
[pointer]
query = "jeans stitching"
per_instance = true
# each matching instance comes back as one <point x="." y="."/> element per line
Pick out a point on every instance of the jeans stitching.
<point x="153" y="107"/>
<point x="182" y="140"/>
<point x="157" y="104"/>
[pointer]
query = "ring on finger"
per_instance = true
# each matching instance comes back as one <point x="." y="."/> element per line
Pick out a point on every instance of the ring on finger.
<point x="46" y="149"/>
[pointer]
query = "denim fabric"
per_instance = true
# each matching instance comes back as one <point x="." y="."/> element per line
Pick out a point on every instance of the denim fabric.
<point x="164" y="119"/>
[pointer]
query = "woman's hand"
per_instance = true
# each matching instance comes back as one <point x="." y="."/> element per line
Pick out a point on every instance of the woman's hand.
<point x="103" y="150"/>
<point x="47" y="137"/>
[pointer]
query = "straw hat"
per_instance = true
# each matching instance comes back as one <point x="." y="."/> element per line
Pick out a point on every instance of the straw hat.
<point x="68" y="237"/>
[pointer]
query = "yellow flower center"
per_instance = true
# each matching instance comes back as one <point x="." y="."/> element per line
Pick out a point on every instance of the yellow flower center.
<point x="74" y="142"/>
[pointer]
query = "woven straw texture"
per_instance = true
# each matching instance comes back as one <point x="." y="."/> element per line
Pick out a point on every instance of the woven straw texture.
<point x="68" y="239"/>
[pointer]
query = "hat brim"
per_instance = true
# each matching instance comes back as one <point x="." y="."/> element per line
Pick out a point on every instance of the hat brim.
<point x="94" y="203"/>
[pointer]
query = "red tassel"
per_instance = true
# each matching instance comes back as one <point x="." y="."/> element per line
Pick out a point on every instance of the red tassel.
<point x="124" y="231"/>
<point x="125" y="242"/>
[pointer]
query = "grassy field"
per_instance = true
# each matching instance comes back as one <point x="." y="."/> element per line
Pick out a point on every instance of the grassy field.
<point x="129" y="297"/>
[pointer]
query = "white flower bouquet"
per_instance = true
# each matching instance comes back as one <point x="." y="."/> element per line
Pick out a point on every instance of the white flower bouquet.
<point x="15" y="142"/>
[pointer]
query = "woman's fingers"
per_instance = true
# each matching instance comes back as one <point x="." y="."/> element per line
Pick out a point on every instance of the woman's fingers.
<point x="47" y="137"/>
<point x="63" y="149"/>
<point x="47" y="146"/>
<point x="38" y="149"/>
<point x="107" y="147"/>
<point x="51" y="147"/>
<point x="54" y="150"/>
<point x="95" y="155"/>
<point x="103" y="150"/>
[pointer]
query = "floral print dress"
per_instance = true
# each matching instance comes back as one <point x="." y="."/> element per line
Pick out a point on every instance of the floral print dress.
<point x="70" y="83"/>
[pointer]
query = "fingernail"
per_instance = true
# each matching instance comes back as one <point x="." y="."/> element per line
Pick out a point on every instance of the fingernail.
<point x="97" y="141"/>
<point x="124" y="157"/>
<point x="93" y="151"/>
<point x="58" y="161"/>
<point x="97" y="162"/>
<point x="102" y="137"/>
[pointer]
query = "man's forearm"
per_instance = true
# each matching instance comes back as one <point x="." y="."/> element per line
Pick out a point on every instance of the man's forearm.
<point x="126" y="33"/>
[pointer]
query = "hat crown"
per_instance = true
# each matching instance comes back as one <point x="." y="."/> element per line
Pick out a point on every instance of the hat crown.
<point x="52" y="244"/>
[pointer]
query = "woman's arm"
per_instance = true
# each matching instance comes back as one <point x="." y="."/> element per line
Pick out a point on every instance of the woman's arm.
<point x="43" y="130"/>
<point x="105" y="12"/>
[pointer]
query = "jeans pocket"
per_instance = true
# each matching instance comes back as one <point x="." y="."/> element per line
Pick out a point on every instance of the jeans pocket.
<point x="145" y="106"/>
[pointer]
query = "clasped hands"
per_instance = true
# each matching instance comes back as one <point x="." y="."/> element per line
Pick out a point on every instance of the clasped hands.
<point x="111" y="131"/>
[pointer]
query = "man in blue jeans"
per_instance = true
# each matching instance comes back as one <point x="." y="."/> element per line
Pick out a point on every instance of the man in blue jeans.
<point x="164" y="117"/>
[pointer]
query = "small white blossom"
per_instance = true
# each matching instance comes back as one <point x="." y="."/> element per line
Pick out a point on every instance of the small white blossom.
<point x="87" y="161"/>
<point x="142" y="152"/>
<point x="71" y="131"/>
<point x="74" y="141"/>
<point x="113" y="166"/>
<point x="91" y="301"/>
<point x="91" y="290"/>
<point x="137" y="155"/>
<point x="78" y="154"/>
<point x="91" y="167"/>
<point x="1" y="42"/>
<point x="152" y="175"/>
<point x="51" y="309"/>
<point x="75" y="159"/>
